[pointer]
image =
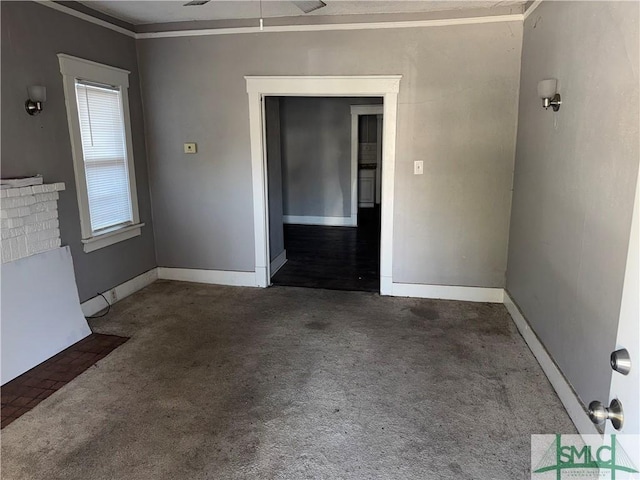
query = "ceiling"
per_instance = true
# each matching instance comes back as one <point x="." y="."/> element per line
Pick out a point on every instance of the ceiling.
<point x="153" y="11"/>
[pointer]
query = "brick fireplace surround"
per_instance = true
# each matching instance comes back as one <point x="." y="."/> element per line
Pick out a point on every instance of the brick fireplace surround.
<point x="29" y="220"/>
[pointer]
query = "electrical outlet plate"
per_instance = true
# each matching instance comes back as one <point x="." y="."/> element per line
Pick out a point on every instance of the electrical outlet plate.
<point x="190" y="148"/>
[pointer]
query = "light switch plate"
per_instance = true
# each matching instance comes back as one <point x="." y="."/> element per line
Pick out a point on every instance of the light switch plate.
<point x="418" y="167"/>
<point x="190" y="148"/>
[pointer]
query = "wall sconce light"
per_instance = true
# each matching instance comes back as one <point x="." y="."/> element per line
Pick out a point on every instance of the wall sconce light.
<point x="547" y="91"/>
<point x="37" y="96"/>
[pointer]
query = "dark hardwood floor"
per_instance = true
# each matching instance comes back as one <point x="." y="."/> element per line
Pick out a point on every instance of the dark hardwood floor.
<point x="338" y="258"/>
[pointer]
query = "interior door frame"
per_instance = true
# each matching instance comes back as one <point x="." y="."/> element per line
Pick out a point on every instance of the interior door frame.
<point x="386" y="86"/>
<point x="356" y="111"/>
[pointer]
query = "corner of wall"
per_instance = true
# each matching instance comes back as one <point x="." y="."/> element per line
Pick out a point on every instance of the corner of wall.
<point x="147" y="152"/>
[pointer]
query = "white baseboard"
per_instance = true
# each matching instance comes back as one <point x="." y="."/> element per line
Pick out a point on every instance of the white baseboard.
<point x="217" y="277"/>
<point x="278" y="262"/>
<point x="567" y="395"/>
<point x="447" y="292"/>
<point x="327" y="221"/>
<point x="115" y="294"/>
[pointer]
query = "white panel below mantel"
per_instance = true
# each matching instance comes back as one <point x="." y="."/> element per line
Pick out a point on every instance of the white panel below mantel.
<point x="40" y="311"/>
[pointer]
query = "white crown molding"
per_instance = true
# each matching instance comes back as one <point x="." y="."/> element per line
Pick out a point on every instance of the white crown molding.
<point x="335" y="26"/>
<point x="530" y="10"/>
<point x="519" y="17"/>
<point x="88" y="18"/>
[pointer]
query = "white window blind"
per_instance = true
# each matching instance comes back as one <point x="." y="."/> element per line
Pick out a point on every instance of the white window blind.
<point x="105" y="155"/>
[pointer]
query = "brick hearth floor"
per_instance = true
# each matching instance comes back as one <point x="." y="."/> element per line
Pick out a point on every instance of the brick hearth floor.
<point x="26" y="391"/>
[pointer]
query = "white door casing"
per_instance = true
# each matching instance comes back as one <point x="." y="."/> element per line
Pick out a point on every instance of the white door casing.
<point x="379" y="160"/>
<point x="386" y="86"/>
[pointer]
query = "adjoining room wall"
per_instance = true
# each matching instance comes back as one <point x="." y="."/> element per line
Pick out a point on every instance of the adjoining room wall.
<point x="457" y="113"/>
<point x="274" y="174"/>
<point x="316" y="154"/>
<point x="574" y="184"/>
<point x="32" y="36"/>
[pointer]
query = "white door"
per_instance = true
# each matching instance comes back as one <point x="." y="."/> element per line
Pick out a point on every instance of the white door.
<point x="626" y="388"/>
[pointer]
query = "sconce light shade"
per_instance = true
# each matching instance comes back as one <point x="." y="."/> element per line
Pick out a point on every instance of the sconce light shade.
<point x="37" y="96"/>
<point x="37" y="93"/>
<point x="547" y="89"/>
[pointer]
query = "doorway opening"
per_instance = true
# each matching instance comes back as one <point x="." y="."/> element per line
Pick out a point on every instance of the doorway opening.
<point x="385" y="86"/>
<point x="324" y="159"/>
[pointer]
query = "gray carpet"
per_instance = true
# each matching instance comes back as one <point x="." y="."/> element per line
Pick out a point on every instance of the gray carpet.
<point x="231" y="383"/>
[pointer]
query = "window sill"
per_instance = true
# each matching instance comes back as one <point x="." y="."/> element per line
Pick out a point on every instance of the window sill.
<point x="109" y="238"/>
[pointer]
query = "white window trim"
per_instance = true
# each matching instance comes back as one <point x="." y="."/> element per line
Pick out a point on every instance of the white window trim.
<point x="73" y="68"/>
<point x="111" y="237"/>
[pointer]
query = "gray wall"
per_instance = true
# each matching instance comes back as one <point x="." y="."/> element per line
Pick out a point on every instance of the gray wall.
<point x="32" y="35"/>
<point x="574" y="183"/>
<point x="457" y="113"/>
<point x="274" y="175"/>
<point x="316" y="154"/>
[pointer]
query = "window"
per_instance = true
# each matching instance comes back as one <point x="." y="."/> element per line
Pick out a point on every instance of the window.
<point x="98" y="114"/>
